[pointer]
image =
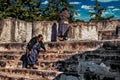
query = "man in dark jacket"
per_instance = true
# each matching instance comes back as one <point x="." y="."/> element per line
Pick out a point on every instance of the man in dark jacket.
<point x="34" y="40"/>
<point x="32" y="51"/>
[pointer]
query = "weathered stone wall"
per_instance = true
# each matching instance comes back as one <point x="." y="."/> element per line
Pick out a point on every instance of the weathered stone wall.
<point x="22" y="31"/>
<point x="13" y="30"/>
<point x="89" y="32"/>
<point x="45" y="28"/>
<point x="93" y="30"/>
<point x="6" y="31"/>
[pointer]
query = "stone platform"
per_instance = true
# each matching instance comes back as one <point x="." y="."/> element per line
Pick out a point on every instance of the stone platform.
<point x="59" y="53"/>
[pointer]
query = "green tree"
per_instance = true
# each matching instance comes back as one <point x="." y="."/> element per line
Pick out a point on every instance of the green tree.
<point x="10" y="8"/>
<point x="98" y="9"/>
<point x="54" y="7"/>
<point x="28" y="10"/>
<point x="16" y="9"/>
<point x="5" y="5"/>
<point x="33" y="10"/>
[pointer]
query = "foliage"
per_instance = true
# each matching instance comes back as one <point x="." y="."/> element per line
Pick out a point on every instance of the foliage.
<point x="31" y="10"/>
<point x="98" y="9"/>
<point x="52" y="10"/>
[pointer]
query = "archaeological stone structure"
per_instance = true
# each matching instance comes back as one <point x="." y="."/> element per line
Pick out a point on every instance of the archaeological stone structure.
<point x="93" y="43"/>
<point x="14" y="30"/>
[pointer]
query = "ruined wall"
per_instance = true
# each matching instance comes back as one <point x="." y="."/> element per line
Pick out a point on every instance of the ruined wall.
<point x="89" y="32"/>
<point x="83" y="31"/>
<point x="22" y="31"/>
<point x="6" y="26"/>
<point x="93" y="30"/>
<point x="45" y="28"/>
<point x="13" y="30"/>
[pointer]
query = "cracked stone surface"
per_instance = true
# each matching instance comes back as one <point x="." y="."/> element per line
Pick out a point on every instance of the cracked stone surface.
<point x="60" y="61"/>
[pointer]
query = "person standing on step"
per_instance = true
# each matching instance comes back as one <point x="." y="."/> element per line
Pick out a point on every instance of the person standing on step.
<point x="33" y="49"/>
<point x="63" y="25"/>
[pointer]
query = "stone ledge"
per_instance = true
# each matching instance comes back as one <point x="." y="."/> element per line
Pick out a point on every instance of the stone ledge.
<point x="41" y="74"/>
<point x="65" y="45"/>
<point x="44" y="64"/>
<point x="53" y="56"/>
<point x="5" y="76"/>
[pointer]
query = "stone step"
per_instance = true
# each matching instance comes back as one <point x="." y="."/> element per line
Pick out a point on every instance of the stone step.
<point x="12" y="46"/>
<point x="53" y="56"/>
<point x="48" y="51"/>
<point x="18" y="52"/>
<point x="43" y="64"/>
<point x="28" y="74"/>
<point x="40" y="57"/>
<point x="65" y="45"/>
<point x="102" y="58"/>
<point x="12" y="55"/>
<point x="81" y="45"/>
<point x="5" y="76"/>
<point x="100" y="51"/>
<point x="50" y="55"/>
<point x="65" y="54"/>
<point x="61" y="46"/>
<point x="48" y="60"/>
<point x="104" y="52"/>
<point x="103" y="55"/>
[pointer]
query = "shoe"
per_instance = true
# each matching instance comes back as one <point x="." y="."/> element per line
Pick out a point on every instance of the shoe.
<point x="60" y="38"/>
<point x="65" y="38"/>
<point x="35" y="67"/>
<point x="28" y="67"/>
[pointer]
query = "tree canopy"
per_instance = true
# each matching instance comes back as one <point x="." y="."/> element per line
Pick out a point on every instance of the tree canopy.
<point x="98" y="10"/>
<point x="31" y="10"/>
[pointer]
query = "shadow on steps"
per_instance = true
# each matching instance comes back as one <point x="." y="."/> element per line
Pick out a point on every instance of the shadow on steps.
<point x="108" y="54"/>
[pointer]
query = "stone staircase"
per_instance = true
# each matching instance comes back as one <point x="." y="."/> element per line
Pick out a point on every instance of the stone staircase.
<point x="107" y="54"/>
<point x="58" y="52"/>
